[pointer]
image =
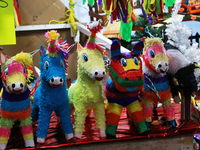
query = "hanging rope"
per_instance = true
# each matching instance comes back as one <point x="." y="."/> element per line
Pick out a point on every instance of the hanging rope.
<point x="147" y="31"/>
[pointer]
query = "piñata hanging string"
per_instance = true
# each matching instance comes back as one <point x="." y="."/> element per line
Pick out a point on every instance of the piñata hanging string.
<point x="152" y="87"/>
<point x="71" y="18"/>
<point x="147" y="31"/>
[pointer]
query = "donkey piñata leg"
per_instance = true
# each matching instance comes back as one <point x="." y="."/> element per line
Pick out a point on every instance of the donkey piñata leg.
<point x="64" y="114"/>
<point x="100" y="118"/>
<point x="113" y="115"/>
<point x="169" y="113"/>
<point x="137" y="116"/>
<point x="34" y="111"/>
<point x="43" y="124"/>
<point x="148" y="112"/>
<point x="80" y="115"/>
<point x="5" y="130"/>
<point x="27" y="132"/>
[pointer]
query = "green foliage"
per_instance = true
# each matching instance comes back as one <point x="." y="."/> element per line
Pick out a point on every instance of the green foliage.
<point x="144" y="22"/>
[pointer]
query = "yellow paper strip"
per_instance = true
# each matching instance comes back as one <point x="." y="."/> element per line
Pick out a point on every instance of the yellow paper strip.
<point x="7" y="24"/>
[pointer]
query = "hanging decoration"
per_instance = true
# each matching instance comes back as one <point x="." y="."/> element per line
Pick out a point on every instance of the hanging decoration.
<point x="90" y="2"/>
<point x="16" y="13"/>
<point x="169" y="3"/>
<point x="125" y="31"/>
<point x="152" y="8"/>
<point x="118" y="9"/>
<point x="126" y="27"/>
<point x="71" y="18"/>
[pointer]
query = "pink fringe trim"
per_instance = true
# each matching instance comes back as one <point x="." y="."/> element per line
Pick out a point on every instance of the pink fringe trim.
<point x="169" y="113"/>
<point x="27" y="130"/>
<point x="90" y="45"/>
<point x="148" y="112"/>
<point x="5" y="132"/>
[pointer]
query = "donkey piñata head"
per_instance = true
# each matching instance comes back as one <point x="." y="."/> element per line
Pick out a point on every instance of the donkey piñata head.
<point x="90" y="63"/>
<point x="126" y="69"/>
<point x="155" y="56"/>
<point x="16" y="73"/>
<point x="52" y="62"/>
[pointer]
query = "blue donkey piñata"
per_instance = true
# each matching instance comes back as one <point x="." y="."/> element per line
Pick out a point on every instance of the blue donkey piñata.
<point x="52" y="93"/>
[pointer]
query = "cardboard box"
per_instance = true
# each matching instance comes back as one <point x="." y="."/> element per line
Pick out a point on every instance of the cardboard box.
<point x="32" y="40"/>
<point x="34" y="12"/>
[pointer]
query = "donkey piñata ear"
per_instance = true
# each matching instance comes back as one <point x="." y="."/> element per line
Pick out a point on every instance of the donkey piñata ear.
<point x="3" y="58"/>
<point x="137" y="48"/>
<point x="79" y="47"/>
<point x="42" y="50"/>
<point x="115" y="49"/>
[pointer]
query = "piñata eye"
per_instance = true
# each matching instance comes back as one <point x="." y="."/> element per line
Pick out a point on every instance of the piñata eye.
<point x="24" y="70"/>
<point x="6" y="71"/>
<point x="85" y="57"/>
<point x="152" y="54"/>
<point x="46" y="65"/>
<point x="136" y="61"/>
<point x="123" y="62"/>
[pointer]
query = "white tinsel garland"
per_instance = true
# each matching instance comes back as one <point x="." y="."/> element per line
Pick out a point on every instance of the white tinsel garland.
<point x="178" y="36"/>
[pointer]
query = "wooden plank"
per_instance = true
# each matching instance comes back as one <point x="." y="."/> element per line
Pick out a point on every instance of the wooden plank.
<point x="170" y="19"/>
<point x="111" y="32"/>
<point x="172" y="143"/>
<point x="82" y="28"/>
<point x="112" y="27"/>
<point x="100" y="38"/>
<point x="157" y="25"/>
<point x="42" y="27"/>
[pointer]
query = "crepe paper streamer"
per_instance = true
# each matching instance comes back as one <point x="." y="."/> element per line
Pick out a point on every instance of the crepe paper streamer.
<point x="100" y="2"/>
<point x="125" y="30"/>
<point x="71" y="18"/>
<point x="169" y="3"/>
<point x="143" y="11"/>
<point x="118" y="9"/>
<point x="91" y="2"/>
<point x="7" y="24"/>
<point x="152" y="7"/>
<point x="16" y="13"/>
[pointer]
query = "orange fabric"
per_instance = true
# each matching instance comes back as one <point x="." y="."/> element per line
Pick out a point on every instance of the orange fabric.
<point x="20" y="115"/>
<point x="112" y="118"/>
<point x="151" y="96"/>
<point x="137" y="116"/>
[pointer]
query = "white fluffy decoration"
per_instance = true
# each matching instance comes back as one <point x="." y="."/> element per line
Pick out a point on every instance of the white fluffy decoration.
<point x="179" y="34"/>
<point x="93" y="24"/>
